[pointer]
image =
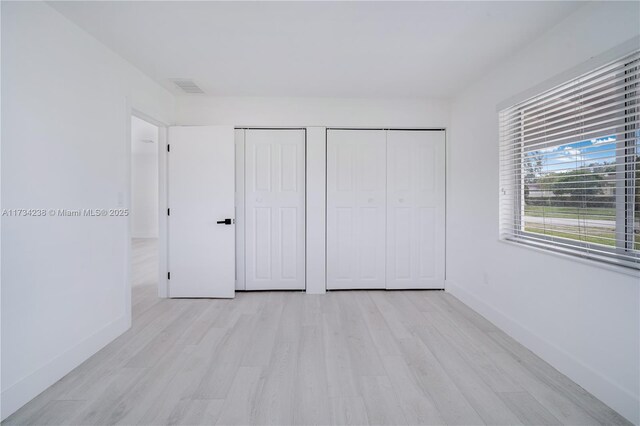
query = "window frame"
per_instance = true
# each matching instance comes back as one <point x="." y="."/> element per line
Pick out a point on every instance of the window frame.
<point x="625" y="190"/>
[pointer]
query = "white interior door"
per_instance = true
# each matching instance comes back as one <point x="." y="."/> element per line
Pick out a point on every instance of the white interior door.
<point x="415" y="209"/>
<point x="356" y="208"/>
<point x="274" y="209"/>
<point x="201" y="194"/>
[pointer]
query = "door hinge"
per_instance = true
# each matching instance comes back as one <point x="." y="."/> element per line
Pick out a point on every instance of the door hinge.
<point x="168" y="148"/>
<point x="168" y="212"/>
<point x="168" y="275"/>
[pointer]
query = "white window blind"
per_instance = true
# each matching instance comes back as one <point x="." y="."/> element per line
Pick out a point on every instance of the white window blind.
<point x="570" y="166"/>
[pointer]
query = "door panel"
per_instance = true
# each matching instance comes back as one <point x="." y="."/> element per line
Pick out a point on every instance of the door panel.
<point x="275" y="213"/>
<point x="201" y="192"/>
<point x="415" y="209"/>
<point x="356" y="200"/>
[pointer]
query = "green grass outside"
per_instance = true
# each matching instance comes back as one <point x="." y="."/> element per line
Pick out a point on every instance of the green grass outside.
<point x="596" y="236"/>
<point x="597" y="213"/>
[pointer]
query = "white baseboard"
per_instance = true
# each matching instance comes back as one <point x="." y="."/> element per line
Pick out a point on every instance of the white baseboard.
<point x="32" y="385"/>
<point x="615" y="396"/>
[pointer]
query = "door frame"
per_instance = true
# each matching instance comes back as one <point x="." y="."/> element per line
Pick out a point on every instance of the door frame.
<point x="163" y="283"/>
<point x="241" y="171"/>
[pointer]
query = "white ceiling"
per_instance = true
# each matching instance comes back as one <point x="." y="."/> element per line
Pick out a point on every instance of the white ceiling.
<point x="341" y="49"/>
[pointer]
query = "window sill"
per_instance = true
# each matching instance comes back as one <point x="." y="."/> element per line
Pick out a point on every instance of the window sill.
<point x="594" y="263"/>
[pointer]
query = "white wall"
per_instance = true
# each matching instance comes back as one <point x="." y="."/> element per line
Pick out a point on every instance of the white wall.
<point x="329" y="112"/>
<point x="144" y="179"/>
<point x="66" y="103"/>
<point x="582" y="319"/>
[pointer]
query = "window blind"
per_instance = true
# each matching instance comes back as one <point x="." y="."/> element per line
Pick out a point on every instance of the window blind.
<point x="570" y="166"/>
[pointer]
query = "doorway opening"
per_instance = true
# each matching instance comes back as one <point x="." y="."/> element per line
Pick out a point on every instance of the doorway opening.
<point x="144" y="210"/>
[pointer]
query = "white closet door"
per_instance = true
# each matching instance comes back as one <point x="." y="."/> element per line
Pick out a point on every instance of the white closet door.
<point x="415" y="209"/>
<point x="201" y="248"/>
<point x="356" y="209"/>
<point x="274" y="209"/>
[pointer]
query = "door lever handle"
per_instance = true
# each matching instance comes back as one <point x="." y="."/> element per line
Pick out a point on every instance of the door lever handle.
<point x="225" y="222"/>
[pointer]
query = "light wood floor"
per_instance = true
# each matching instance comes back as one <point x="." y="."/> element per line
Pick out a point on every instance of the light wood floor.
<point x="351" y="357"/>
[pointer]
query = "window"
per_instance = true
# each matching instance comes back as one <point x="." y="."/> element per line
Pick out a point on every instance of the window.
<point x="570" y="166"/>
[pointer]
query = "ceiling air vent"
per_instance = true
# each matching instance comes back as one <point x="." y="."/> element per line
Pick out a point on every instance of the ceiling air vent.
<point x="187" y="86"/>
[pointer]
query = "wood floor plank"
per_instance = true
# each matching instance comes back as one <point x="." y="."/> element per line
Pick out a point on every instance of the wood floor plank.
<point x="482" y="364"/>
<point x="381" y="401"/>
<point x="454" y="306"/>
<point x="558" y="381"/>
<point x="342" y="382"/>
<point x="217" y="380"/>
<point x="263" y="338"/>
<point x="105" y="408"/>
<point x="199" y="328"/>
<point x="275" y="399"/>
<point x="365" y="359"/>
<point x="87" y="381"/>
<point x="290" y="321"/>
<point x="556" y="402"/>
<point x="417" y="405"/>
<point x="380" y="332"/>
<point x="129" y="404"/>
<point x="467" y="325"/>
<point x="348" y="411"/>
<point x="240" y="404"/>
<point x="195" y="412"/>
<point x="451" y="403"/>
<point x="184" y="384"/>
<point x="311" y="391"/>
<point x="54" y="413"/>
<point x="390" y="314"/>
<point x="482" y="398"/>
<point x="53" y="393"/>
<point x="491" y="373"/>
<point x="528" y="409"/>
<point x="154" y="350"/>
<point x="153" y="384"/>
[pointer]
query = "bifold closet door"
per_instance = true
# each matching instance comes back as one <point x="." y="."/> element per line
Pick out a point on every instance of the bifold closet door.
<point x="274" y="209"/>
<point x="356" y="209"/>
<point x="415" y="209"/>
